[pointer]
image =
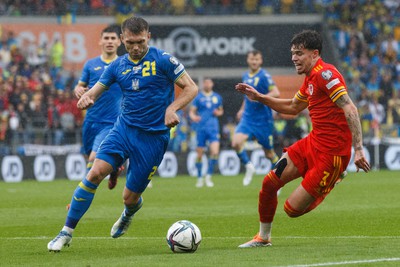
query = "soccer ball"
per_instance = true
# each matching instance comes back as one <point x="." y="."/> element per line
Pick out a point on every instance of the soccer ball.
<point x="183" y="236"/>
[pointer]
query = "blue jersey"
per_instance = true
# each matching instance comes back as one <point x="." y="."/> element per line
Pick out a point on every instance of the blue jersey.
<point x="107" y="107"/>
<point x="147" y="86"/>
<point x="256" y="113"/>
<point x="205" y="105"/>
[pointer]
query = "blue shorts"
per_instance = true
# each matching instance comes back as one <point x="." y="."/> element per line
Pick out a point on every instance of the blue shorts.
<point x="93" y="133"/>
<point x="262" y="133"/>
<point x="145" y="151"/>
<point x="204" y="135"/>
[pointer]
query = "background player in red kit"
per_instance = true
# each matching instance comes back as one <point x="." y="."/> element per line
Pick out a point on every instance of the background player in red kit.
<point x="322" y="156"/>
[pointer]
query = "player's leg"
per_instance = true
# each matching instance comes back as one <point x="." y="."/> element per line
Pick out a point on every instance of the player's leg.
<point x="133" y="202"/>
<point x="148" y="154"/>
<point x="80" y="203"/>
<point x="212" y="161"/>
<point x="239" y="138"/>
<point x="265" y="138"/>
<point x="272" y="156"/>
<point x="284" y="172"/>
<point x="199" y="166"/>
<point x="201" y="144"/>
<point x="88" y="137"/>
<point x="317" y="184"/>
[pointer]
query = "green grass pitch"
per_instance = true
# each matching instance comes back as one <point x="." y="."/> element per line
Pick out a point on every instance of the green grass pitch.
<point x="357" y="225"/>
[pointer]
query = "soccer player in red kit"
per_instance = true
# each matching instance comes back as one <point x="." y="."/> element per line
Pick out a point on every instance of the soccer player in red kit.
<point x="322" y="156"/>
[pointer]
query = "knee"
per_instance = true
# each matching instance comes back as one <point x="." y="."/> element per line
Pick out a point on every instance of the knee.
<point x="235" y="145"/>
<point x="95" y="176"/>
<point x="290" y="211"/>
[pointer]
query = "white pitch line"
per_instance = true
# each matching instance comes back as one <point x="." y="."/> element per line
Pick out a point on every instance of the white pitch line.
<point x="344" y="262"/>
<point x="204" y="237"/>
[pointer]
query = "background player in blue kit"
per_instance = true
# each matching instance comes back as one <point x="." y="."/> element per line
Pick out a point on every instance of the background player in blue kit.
<point x="146" y="76"/>
<point x="256" y="120"/>
<point x="100" y="118"/>
<point x="205" y="110"/>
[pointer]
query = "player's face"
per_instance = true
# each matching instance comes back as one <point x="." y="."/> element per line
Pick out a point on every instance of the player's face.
<point x="136" y="44"/>
<point x="110" y="42"/>
<point x="254" y="61"/>
<point x="303" y="59"/>
<point x="208" y="85"/>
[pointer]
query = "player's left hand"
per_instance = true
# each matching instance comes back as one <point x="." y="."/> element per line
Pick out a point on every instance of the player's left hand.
<point x="85" y="102"/>
<point x="361" y="162"/>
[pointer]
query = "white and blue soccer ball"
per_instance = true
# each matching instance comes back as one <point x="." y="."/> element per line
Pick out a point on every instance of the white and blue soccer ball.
<point x="183" y="237"/>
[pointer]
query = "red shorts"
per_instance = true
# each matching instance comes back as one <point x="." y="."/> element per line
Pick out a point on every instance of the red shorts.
<point x="319" y="170"/>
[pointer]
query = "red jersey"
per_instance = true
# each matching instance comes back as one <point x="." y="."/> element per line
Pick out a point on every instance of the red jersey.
<point x="330" y="133"/>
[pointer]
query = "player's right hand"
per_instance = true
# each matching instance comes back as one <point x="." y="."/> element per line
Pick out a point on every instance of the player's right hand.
<point x="85" y="102"/>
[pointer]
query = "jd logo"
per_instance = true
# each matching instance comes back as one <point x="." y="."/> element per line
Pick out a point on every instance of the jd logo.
<point x="12" y="169"/>
<point x="75" y="167"/>
<point x="44" y="168"/>
<point x="229" y="163"/>
<point x="261" y="163"/>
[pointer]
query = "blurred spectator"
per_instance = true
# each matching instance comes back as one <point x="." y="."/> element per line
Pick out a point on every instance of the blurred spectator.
<point x="55" y="134"/>
<point x="56" y="57"/>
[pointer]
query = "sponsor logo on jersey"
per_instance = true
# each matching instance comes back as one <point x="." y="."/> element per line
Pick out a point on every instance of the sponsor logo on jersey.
<point x="332" y="83"/>
<point x="97" y="68"/>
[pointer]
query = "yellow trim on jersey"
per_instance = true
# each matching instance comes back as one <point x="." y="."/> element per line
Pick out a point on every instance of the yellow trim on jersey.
<point x="318" y="68"/>
<point x="301" y="97"/>
<point x="252" y="74"/>
<point x="88" y="189"/>
<point x="338" y="92"/>
<point x="184" y="72"/>
<point x="337" y="163"/>
<point x="102" y="84"/>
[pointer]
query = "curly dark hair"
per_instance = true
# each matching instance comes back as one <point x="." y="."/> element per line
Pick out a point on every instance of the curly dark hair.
<point x="308" y="39"/>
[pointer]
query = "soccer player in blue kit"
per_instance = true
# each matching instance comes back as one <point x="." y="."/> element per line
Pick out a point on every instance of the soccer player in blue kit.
<point x="100" y="118"/>
<point x="205" y="110"/>
<point x="256" y="119"/>
<point x="146" y="76"/>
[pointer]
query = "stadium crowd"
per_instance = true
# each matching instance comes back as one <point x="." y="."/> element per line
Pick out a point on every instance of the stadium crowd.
<point x="37" y="106"/>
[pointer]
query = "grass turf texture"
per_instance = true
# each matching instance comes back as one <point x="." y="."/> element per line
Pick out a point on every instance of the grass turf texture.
<point x="358" y="223"/>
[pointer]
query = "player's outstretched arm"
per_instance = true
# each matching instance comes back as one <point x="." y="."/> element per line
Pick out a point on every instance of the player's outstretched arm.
<point x="189" y="92"/>
<point x="87" y="99"/>
<point x="353" y="120"/>
<point x="285" y="106"/>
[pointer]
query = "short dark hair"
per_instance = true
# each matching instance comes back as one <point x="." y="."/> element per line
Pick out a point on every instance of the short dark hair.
<point x="309" y="39"/>
<point x="254" y="52"/>
<point x="110" y="29"/>
<point x="135" y="25"/>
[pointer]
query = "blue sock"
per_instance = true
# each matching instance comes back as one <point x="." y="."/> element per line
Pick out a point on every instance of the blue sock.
<point x="199" y="166"/>
<point x="131" y="210"/>
<point x="211" y="164"/>
<point x="80" y="203"/>
<point x="243" y="157"/>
